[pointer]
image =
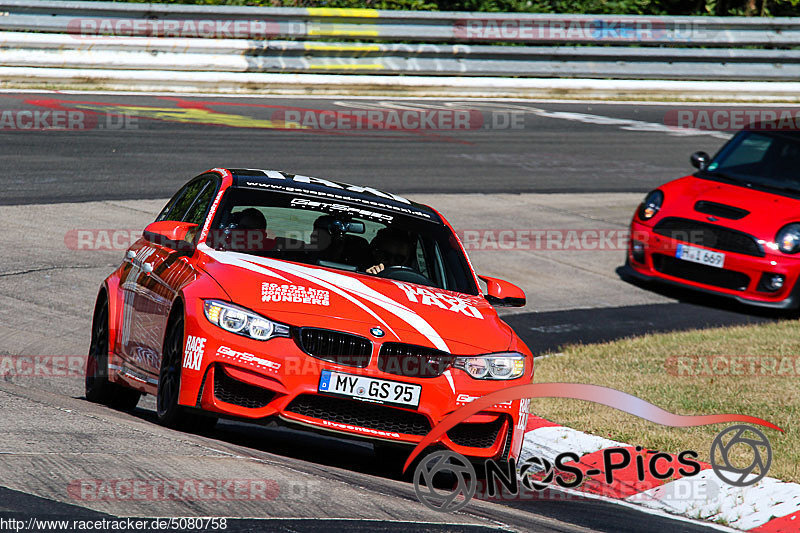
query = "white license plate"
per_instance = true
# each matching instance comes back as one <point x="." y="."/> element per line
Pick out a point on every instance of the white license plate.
<point x="369" y="389"/>
<point x="699" y="255"/>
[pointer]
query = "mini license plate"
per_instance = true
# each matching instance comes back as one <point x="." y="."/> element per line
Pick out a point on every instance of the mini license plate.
<point x="699" y="255"/>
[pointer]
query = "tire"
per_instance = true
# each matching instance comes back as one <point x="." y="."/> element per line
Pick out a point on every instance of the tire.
<point x="169" y="376"/>
<point x="97" y="387"/>
<point x="168" y="412"/>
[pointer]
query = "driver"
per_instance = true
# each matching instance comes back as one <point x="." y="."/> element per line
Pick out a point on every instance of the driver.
<point x="390" y="247"/>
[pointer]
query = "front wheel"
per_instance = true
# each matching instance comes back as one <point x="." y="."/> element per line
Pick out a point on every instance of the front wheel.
<point x="168" y="412"/>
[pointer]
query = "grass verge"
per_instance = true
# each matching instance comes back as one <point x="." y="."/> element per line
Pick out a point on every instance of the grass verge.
<point x="663" y="369"/>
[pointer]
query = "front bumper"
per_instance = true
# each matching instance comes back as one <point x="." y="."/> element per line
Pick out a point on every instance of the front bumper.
<point x="275" y="378"/>
<point x="659" y="251"/>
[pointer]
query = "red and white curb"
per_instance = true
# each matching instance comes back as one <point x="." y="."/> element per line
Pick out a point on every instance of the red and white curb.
<point x="768" y="506"/>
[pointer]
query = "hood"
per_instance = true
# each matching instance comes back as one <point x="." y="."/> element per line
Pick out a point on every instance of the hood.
<point x="768" y="212"/>
<point x="312" y="296"/>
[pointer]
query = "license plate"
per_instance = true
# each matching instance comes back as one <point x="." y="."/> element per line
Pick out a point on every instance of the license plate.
<point x="699" y="255"/>
<point x="369" y="389"/>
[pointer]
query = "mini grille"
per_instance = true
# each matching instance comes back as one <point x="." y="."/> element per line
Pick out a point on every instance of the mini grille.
<point x="335" y="346"/>
<point x="709" y="236"/>
<point x="707" y="275"/>
<point x="358" y="413"/>
<point x="413" y="361"/>
<point x="236" y="392"/>
<point x="476" y="435"/>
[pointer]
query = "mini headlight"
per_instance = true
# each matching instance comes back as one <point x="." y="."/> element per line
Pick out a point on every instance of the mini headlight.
<point x="243" y="322"/>
<point x="651" y="205"/>
<point x="788" y="238"/>
<point x="493" y="366"/>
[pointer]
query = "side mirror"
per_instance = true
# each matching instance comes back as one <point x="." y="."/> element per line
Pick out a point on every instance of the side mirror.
<point x="501" y="293"/>
<point x="178" y="236"/>
<point x="700" y="160"/>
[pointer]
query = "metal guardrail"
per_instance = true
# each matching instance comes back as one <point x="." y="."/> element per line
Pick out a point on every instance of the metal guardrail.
<point x="135" y="36"/>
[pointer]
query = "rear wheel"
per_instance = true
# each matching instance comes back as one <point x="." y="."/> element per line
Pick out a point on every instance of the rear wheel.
<point x="98" y="388"/>
<point x="168" y="411"/>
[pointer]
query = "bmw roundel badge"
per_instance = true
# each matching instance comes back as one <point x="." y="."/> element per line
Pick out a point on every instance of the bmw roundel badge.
<point x="378" y="332"/>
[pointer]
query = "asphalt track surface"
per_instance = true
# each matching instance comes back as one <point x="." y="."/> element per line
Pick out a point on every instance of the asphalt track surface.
<point x="558" y="147"/>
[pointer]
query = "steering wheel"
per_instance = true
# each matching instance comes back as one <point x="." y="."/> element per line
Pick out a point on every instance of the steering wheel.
<point x="404" y="273"/>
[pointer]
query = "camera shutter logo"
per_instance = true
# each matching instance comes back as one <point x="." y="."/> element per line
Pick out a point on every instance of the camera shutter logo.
<point x="448" y="500"/>
<point x="537" y="464"/>
<point x="721" y="461"/>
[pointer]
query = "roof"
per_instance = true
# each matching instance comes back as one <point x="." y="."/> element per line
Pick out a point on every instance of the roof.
<point x="323" y="188"/>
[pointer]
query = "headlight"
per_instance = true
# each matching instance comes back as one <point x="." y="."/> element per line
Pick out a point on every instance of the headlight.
<point x="788" y="238"/>
<point x="243" y="322"/>
<point x="493" y="366"/>
<point x="651" y="205"/>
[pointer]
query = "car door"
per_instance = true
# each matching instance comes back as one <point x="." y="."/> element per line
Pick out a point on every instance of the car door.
<point x="156" y="274"/>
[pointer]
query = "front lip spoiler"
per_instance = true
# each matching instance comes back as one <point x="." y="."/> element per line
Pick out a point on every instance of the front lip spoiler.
<point x="792" y="301"/>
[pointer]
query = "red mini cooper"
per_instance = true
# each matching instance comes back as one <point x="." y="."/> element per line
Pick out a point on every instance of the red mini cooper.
<point x="732" y="228"/>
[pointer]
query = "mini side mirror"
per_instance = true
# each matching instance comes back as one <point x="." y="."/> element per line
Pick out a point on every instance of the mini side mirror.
<point x="700" y="160"/>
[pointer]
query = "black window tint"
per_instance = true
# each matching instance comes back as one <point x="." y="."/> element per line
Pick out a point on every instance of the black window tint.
<point x="167" y="208"/>
<point x="185" y="201"/>
<point x="197" y="211"/>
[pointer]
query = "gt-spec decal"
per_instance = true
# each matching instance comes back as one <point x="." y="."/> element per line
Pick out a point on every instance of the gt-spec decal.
<point x="334" y="196"/>
<point x="213" y="210"/>
<point x="341" y="208"/>
<point x="193" y="354"/>
<point x="449" y="302"/>
<point x="245" y="357"/>
<point x="299" y="178"/>
<point x="359" y="429"/>
<point x="464" y="399"/>
<point x="272" y="292"/>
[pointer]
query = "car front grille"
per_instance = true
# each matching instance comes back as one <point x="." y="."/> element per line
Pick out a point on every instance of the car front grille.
<point x="413" y="361"/>
<point x="233" y="391"/>
<point x="709" y="236"/>
<point x="480" y="435"/>
<point x="335" y="346"/>
<point x="362" y="414"/>
<point x="707" y="275"/>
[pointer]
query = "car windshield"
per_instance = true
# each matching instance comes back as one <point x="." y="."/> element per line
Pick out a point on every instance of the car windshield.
<point x="342" y="235"/>
<point x="763" y="159"/>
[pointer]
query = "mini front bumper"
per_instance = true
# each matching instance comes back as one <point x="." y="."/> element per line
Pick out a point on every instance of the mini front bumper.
<point x="753" y="267"/>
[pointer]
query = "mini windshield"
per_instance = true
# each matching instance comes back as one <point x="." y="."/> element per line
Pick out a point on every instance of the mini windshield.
<point x="769" y="160"/>
<point x="343" y="235"/>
